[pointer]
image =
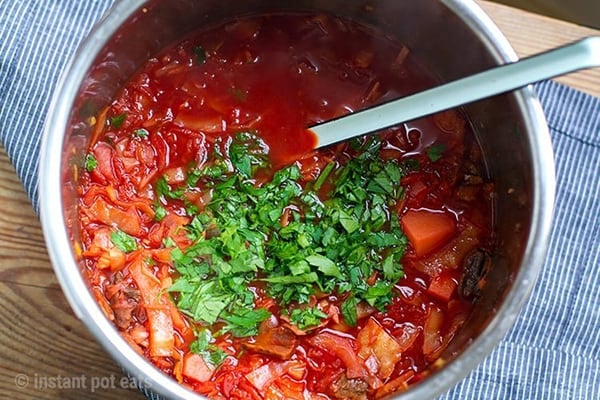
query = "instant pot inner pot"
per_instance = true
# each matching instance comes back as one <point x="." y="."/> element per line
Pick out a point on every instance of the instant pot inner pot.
<point x="435" y="35"/>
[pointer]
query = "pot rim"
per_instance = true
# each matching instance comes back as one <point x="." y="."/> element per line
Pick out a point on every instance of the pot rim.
<point x="148" y="377"/>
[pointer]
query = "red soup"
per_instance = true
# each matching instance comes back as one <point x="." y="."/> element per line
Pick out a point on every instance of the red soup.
<point x="246" y="265"/>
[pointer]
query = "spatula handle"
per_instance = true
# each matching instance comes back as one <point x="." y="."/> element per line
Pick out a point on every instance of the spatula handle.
<point x="579" y="55"/>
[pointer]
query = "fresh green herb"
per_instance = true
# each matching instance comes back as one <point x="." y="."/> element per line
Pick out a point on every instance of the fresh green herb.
<point x="204" y="345"/>
<point x="248" y="153"/>
<point x="117" y="121"/>
<point x="349" y="311"/>
<point x="90" y="162"/>
<point x="244" y="322"/>
<point x="305" y="318"/>
<point x="162" y="188"/>
<point x="323" y="176"/>
<point x="310" y="277"/>
<point x="200" y="54"/>
<point x="159" y="212"/>
<point x="435" y="152"/>
<point x="168" y="242"/>
<point x="325" y="265"/>
<point x="378" y="294"/>
<point x="193" y="177"/>
<point x="410" y="165"/>
<point x="190" y="208"/>
<point x="328" y="244"/>
<point x="141" y="132"/>
<point x="202" y="300"/>
<point x="123" y="241"/>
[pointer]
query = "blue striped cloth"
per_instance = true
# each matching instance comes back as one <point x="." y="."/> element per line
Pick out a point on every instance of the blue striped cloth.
<point x="552" y="352"/>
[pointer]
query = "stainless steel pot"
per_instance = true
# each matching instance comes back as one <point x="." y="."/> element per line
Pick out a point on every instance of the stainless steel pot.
<point x="453" y="38"/>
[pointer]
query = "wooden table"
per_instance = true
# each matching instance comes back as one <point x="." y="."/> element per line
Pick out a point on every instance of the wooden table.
<point x="44" y="348"/>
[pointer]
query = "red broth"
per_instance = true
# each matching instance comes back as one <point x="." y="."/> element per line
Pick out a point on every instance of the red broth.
<point x="246" y="265"/>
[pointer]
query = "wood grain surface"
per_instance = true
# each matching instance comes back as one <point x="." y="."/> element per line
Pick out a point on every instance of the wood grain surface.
<point x="530" y="33"/>
<point x="44" y="348"/>
<point x="46" y="353"/>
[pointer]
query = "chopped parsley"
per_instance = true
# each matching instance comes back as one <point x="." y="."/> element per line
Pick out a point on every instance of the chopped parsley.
<point x="244" y="322"/>
<point x="305" y="318"/>
<point x="349" y="310"/>
<point x="117" y="121"/>
<point x="164" y="190"/>
<point x="123" y="241"/>
<point x="159" y="212"/>
<point x="435" y="152"/>
<point x="141" y="132"/>
<point x="204" y="346"/>
<point x="90" y="162"/>
<point x="323" y="176"/>
<point x="329" y="243"/>
<point x="248" y="153"/>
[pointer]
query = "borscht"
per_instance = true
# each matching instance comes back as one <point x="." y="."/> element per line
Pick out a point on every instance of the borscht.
<point x="247" y="265"/>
